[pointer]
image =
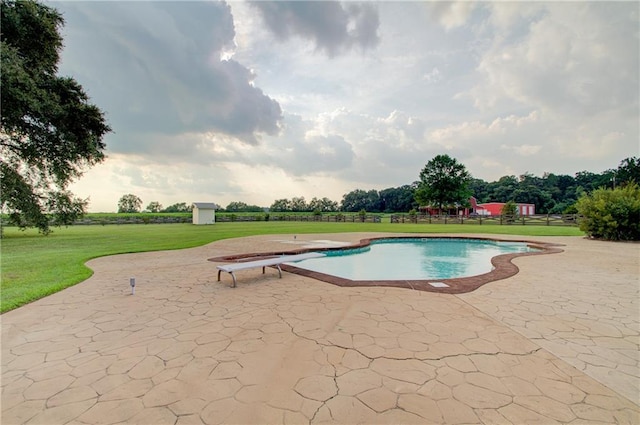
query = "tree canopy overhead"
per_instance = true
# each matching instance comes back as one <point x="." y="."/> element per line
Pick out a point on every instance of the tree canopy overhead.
<point x="50" y="133"/>
<point x="443" y="182"/>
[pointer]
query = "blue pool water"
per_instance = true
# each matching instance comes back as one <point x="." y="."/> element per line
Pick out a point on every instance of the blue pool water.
<point x="413" y="259"/>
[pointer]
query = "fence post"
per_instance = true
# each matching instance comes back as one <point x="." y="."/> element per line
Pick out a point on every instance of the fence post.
<point x="547" y="219"/>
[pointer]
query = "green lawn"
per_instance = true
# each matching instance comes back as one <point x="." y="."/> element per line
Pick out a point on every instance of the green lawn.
<point x="34" y="266"/>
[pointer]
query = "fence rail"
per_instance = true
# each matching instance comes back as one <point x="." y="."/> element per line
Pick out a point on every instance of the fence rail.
<point x="537" y="220"/>
<point x="327" y="218"/>
<point x="88" y="221"/>
<point x="220" y="218"/>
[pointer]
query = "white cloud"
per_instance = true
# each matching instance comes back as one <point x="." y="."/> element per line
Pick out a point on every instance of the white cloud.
<point x="573" y="56"/>
<point x="523" y="150"/>
<point x="509" y="15"/>
<point x="317" y="99"/>
<point x="433" y="76"/>
<point x="452" y="14"/>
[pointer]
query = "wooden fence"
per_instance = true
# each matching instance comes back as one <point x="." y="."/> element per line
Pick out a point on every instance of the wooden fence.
<point x="230" y="217"/>
<point x="327" y="218"/>
<point x="537" y="220"/>
<point x="131" y="220"/>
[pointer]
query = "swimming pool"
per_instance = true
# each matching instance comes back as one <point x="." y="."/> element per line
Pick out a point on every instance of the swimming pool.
<point x="414" y="259"/>
<point x="393" y="270"/>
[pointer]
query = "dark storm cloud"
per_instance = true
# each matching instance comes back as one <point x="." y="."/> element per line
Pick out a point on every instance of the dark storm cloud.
<point x="331" y="26"/>
<point x="156" y="67"/>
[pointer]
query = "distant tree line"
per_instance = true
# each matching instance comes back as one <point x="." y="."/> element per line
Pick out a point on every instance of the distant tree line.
<point x="393" y="199"/>
<point x="299" y="204"/>
<point x="551" y="193"/>
<point x="555" y="193"/>
<point x="131" y="203"/>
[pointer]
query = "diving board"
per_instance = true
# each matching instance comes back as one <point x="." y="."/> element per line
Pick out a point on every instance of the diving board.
<point x="276" y="261"/>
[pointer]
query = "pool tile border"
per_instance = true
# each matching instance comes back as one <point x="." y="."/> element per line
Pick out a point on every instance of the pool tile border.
<point x="503" y="266"/>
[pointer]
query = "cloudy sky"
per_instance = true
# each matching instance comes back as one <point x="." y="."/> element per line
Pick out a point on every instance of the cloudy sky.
<point x="257" y="101"/>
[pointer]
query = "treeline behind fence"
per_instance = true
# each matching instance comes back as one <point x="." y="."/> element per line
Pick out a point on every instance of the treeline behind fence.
<point x="143" y="218"/>
<point x="537" y="220"/>
<point x="327" y="218"/>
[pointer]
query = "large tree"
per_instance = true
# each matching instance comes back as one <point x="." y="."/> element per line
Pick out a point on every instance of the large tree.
<point x="299" y="204"/>
<point x="237" y="206"/>
<point x="323" y="205"/>
<point x="280" y="205"/>
<point x="443" y="182"/>
<point x="50" y="133"/>
<point x="398" y="199"/>
<point x="358" y="200"/>
<point x="154" y="207"/>
<point x="628" y="171"/>
<point x="179" y="207"/>
<point x="129" y="203"/>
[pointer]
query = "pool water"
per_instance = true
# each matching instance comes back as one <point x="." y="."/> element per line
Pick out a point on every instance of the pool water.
<point x="414" y="259"/>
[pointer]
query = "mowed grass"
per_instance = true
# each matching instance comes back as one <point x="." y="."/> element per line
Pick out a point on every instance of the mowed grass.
<point x="34" y="266"/>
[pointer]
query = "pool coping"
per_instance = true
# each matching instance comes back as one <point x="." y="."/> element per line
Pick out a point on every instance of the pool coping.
<point x="503" y="265"/>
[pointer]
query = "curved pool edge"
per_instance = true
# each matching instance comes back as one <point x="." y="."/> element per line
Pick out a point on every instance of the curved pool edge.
<point x="503" y="265"/>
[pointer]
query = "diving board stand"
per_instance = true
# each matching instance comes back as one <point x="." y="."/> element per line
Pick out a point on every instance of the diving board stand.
<point x="276" y="261"/>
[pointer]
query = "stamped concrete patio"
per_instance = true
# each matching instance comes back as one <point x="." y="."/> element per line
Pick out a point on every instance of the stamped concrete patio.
<point x="557" y="343"/>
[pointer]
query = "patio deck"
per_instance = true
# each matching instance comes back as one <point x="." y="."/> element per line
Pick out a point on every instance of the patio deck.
<point x="556" y="343"/>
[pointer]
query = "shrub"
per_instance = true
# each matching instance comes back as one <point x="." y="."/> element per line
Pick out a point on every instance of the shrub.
<point x="510" y="208"/>
<point x="413" y="215"/>
<point x="571" y="209"/>
<point x="611" y="214"/>
<point x="509" y="211"/>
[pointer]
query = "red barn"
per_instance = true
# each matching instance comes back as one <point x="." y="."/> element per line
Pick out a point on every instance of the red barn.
<point x="495" y="208"/>
<point x="489" y="208"/>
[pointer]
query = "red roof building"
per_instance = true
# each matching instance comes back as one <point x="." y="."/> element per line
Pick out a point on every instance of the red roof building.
<point x="495" y="208"/>
<point x="489" y="208"/>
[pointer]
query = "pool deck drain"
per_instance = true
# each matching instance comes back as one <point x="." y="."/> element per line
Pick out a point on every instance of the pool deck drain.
<point x="438" y="284"/>
<point x="548" y="345"/>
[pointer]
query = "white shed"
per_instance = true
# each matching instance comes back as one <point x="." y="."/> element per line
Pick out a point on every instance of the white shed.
<point x="204" y="213"/>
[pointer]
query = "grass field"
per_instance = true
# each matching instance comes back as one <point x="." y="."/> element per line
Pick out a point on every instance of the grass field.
<point x="34" y="266"/>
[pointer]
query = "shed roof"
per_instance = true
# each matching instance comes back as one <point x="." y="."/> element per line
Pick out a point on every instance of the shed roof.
<point x="205" y="205"/>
